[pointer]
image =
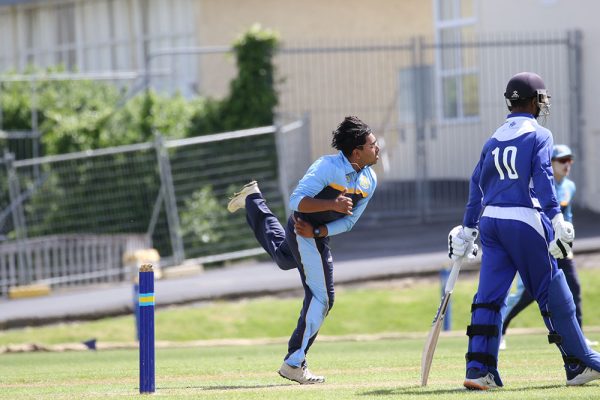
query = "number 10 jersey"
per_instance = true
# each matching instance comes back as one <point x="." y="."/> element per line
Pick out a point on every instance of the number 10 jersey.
<point x="514" y="170"/>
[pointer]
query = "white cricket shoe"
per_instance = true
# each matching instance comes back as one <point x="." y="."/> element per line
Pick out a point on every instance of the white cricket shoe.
<point x="482" y="383"/>
<point x="302" y="375"/>
<point x="587" y="375"/>
<point x="502" y="344"/>
<point x="238" y="200"/>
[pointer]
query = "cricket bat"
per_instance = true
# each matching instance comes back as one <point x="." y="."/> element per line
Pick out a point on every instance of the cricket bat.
<point x="438" y="321"/>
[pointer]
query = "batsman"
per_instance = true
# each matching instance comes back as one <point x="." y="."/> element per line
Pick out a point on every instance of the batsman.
<point x="513" y="207"/>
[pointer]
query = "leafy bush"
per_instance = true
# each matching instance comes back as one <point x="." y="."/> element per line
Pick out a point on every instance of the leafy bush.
<point x="252" y="97"/>
<point x="201" y="214"/>
<point x="81" y="115"/>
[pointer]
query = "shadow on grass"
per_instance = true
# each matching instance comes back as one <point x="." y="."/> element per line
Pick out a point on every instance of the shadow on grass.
<point x="416" y="390"/>
<point x="423" y="391"/>
<point x="224" y="387"/>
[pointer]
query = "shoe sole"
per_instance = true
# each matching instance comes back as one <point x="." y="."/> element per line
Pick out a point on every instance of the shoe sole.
<point x="583" y="382"/>
<point x="236" y="195"/>
<point x="293" y="380"/>
<point x="474" y="386"/>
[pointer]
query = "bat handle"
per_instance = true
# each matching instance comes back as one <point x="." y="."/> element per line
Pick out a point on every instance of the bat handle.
<point x="453" y="275"/>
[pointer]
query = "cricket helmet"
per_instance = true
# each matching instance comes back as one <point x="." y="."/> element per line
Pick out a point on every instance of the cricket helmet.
<point x="526" y="85"/>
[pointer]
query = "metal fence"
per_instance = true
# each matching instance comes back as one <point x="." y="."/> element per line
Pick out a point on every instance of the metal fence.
<point x="65" y="260"/>
<point x="173" y="191"/>
<point x="432" y="102"/>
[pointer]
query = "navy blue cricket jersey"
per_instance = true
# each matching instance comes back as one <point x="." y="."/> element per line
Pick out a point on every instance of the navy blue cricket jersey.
<point x="514" y="170"/>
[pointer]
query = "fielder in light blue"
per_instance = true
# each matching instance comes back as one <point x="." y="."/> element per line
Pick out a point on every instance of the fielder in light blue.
<point x="512" y="201"/>
<point x="328" y="200"/>
<point x="327" y="179"/>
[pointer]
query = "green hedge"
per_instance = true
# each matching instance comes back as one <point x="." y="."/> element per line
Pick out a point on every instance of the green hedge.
<point x="83" y="115"/>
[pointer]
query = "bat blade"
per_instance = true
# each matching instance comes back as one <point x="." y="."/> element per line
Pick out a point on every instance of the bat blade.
<point x="432" y="338"/>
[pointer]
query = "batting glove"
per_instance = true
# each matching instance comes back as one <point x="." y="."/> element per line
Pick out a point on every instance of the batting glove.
<point x="461" y="242"/>
<point x="563" y="230"/>
<point x="559" y="249"/>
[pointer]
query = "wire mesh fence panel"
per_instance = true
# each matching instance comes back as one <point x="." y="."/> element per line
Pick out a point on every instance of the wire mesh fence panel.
<point x="106" y="193"/>
<point x="66" y="260"/>
<point x="366" y="78"/>
<point x="5" y="203"/>
<point x="207" y="173"/>
<point x="173" y="192"/>
<point x="23" y="144"/>
<point x="469" y="104"/>
<point x="432" y="102"/>
<point x="294" y="154"/>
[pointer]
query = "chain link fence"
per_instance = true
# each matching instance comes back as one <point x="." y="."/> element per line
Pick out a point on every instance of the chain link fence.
<point x="174" y="192"/>
<point x="431" y="102"/>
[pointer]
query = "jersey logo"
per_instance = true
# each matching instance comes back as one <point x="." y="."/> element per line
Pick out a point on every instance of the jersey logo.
<point x="364" y="182"/>
<point x="348" y="179"/>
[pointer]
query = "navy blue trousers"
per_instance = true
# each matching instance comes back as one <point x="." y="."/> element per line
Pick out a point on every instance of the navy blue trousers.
<point x="568" y="267"/>
<point x="269" y="232"/>
<point x="312" y="257"/>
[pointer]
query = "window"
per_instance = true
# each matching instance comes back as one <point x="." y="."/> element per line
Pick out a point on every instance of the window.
<point x="99" y="36"/>
<point x="65" y="36"/>
<point x="456" y="72"/>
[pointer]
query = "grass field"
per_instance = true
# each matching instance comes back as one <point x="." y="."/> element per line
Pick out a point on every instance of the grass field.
<point x="403" y="306"/>
<point x="384" y="369"/>
<point x="366" y="369"/>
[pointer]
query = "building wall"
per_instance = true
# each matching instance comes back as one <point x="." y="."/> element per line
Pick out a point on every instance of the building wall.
<point x="99" y="36"/>
<point x="222" y="20"/>
<point x="307" y="23"/>
<point x="561" y="15"/>
<point x="316" y="23"/>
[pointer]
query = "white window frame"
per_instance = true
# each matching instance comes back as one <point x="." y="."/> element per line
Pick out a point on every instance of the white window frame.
<point x="37" y="39"/>
<point x="458" y="72"/>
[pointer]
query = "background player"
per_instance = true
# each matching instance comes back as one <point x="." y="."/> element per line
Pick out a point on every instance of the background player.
<point x="562" y="160"/>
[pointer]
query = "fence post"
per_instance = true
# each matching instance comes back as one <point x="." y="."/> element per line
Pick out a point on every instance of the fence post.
<point x="307" y="148"/>
<point x="166" y="180"/>
<point x="18" y="216"/>
<point x="422" y="184"/>
<point x="576" y="120"/>
<point x="35" y="140"/>
<point x="284" y="181"/>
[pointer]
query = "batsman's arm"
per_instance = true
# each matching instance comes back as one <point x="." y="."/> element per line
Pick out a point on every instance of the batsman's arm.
<point x="474" y="206"/>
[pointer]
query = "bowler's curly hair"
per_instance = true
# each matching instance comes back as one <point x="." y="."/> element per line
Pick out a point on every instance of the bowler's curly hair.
<point x="350" y="134"/>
